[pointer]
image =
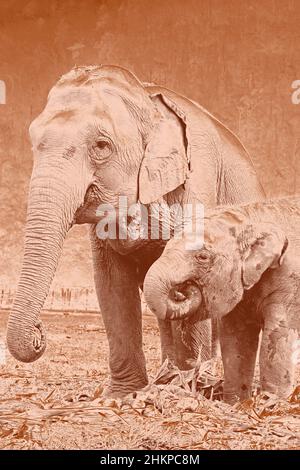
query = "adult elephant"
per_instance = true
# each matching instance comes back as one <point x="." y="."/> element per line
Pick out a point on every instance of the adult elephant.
<point x="104" y="134"/>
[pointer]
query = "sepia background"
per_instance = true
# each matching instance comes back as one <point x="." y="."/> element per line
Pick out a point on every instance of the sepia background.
<point x="236" y="58"/>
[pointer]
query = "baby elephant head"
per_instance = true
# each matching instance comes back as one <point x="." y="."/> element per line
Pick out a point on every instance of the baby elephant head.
<point x="210" y="281"/>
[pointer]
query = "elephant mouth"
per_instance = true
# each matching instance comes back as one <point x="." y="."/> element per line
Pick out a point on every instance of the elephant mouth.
<point x="184" y="300"/>
<point x="86" y="213"/>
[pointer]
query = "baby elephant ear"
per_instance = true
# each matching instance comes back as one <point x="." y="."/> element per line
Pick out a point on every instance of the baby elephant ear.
<point x="262" y="246"/>
<point x="165" y="163"/>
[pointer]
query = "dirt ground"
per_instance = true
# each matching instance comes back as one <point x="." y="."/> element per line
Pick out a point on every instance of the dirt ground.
<point x="56" y="403"/>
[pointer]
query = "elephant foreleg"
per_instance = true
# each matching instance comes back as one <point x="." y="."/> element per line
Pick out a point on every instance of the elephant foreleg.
<point x="239" y="335"/>
<point x="191" y="338"/>
<point x="166" y="341"/>
<point x="120" y="305"/>
<point x="277" y="367"/>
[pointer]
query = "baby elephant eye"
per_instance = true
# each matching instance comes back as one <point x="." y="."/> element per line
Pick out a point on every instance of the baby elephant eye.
<point x="203" y="256"/>
<point x="103" y="148"/>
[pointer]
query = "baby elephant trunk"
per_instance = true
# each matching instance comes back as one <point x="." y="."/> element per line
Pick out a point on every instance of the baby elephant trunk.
<point x="183" y="301"/>
<point x="168" y="297"/>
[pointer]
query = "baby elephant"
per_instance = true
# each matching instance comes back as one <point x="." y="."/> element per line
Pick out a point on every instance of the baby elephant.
<point x="249" y="247"/>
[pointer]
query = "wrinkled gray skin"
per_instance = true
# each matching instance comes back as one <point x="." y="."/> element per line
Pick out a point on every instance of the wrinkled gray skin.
<point x="104" y="134"/>
<point x="247" y="275"/>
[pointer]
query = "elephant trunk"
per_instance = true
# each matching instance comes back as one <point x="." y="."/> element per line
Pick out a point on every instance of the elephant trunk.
<point x="51" y="207"/>
<point x="168" y="297"/>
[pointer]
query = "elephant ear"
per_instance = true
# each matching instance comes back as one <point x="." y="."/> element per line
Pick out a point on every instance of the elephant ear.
<point x="165" y="164"/>
<point x="262" y="246"/>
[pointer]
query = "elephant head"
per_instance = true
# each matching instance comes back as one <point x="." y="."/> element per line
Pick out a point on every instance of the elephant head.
<point x="100" y="136"/>
<point x="209" y="282"/>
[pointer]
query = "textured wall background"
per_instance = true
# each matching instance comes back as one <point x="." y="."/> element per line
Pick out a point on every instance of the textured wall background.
<point x="237" y="58"/>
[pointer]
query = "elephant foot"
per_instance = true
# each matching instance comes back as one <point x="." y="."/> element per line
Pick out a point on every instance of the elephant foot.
<point x="121" y="390"/>
<point x="233" y="396"/>
<point x="186" y="364"/>
<point x="281" y="390"/>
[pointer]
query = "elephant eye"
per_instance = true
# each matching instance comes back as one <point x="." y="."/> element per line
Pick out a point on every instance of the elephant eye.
<point x="203" y="256"/>
<point x="103" y="149"/>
